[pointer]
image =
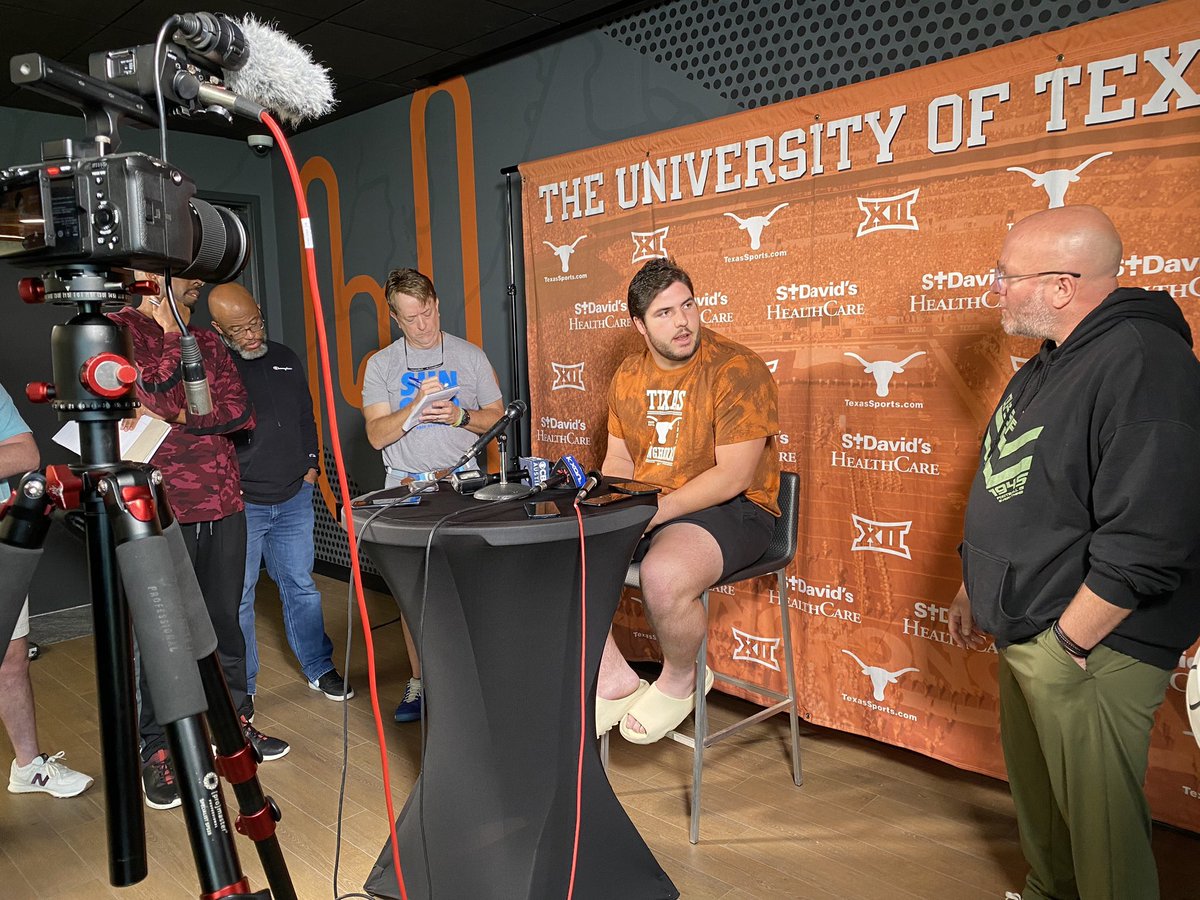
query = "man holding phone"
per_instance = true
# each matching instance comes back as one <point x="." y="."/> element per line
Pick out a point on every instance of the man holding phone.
<point x="695" y="414"/>
<point x="424" y="361"/>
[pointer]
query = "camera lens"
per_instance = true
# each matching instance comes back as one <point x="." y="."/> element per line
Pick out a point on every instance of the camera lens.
<point x="220" y="246"/>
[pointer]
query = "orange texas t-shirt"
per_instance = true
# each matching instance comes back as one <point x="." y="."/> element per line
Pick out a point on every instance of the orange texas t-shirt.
<point x="673" y="420"/>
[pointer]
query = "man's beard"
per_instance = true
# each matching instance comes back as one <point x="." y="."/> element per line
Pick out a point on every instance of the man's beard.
<point x="1035" y="321"/>
<point x="667" y="350"/>
<point x="244" y="354"/>
<point x="252" y="354"/>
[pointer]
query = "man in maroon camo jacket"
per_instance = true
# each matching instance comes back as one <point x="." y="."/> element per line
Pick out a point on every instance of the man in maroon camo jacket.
<point x="200" y="471"/>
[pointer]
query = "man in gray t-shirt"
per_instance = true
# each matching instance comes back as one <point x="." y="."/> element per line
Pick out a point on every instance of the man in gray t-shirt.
<point x="424" y="360"/>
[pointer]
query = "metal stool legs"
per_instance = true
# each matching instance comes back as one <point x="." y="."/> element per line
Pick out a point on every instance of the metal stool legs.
<point x="703" y="740"/>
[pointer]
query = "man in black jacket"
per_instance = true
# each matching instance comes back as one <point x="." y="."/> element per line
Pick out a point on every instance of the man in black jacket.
<point x="1080" y="548"/>
<point x="278" y="459"/>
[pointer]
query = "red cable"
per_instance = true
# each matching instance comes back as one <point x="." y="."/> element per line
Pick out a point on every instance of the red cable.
<point x="327" y="381"/>
<point x="582" y="696"/>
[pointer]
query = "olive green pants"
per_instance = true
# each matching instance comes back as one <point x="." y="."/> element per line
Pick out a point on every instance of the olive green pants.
<point x="1076" y="745"/>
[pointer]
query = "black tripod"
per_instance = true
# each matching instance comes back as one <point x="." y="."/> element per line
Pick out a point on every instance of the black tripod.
<point x="134" y="541"/>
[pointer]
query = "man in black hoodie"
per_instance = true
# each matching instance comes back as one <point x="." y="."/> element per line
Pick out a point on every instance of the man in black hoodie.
<point x="278" y="460"/>
<point x="1080" y="550"/>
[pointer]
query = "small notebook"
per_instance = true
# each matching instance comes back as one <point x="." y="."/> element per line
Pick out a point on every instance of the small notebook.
<point x="138" y="445"/>
<point x="425" y="400"/>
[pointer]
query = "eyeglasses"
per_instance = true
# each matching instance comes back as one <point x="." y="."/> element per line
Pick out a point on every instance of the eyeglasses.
<point x="256" y="324"/>
<point x="1001" y="280"/>
<point x="437" y="365"/>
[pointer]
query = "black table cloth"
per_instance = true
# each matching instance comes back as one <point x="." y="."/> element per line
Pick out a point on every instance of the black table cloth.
<point x="492" y="814"/>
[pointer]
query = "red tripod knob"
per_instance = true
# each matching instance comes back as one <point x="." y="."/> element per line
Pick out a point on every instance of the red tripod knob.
<point x="108" y="375"/>
<point x="32" y="290"/>
<point x="40" y="392"/>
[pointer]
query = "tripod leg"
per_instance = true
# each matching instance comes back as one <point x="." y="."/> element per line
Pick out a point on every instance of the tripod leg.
<point x="168" y="652"/>
<point x="237" y="762"/>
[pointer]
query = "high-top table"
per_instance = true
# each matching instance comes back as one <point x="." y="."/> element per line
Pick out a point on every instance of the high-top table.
<point x="492" y="814"/>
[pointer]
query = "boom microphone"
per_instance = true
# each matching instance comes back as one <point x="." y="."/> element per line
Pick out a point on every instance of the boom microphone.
<point x="278" y="75"/>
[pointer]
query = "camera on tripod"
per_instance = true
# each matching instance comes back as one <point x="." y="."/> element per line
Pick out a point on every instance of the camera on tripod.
<point x="126" y="209"/>
<point x="86" y="206"/>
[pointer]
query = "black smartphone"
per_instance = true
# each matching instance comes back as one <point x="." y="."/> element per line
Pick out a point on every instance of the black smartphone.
<point x="605" y="500"/>
<point x="542" y="509"/>
<point x="634" y="488"/>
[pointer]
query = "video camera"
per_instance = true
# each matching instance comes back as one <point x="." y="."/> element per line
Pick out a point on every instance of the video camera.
<point x="89" y="206"/>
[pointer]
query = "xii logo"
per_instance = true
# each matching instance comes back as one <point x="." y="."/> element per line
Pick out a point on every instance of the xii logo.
<point x="888" y="213"/>
<point x="649" y="244"/>
<point x="760" y="650"/>
<point x="568" y="377"/>
<point x="881" y="537"/>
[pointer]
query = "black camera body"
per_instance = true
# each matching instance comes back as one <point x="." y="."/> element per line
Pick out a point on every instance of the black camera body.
<point x="124" y="209"/>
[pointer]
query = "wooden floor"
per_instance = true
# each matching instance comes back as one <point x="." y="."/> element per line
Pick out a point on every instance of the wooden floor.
<point x="871" y="822"/>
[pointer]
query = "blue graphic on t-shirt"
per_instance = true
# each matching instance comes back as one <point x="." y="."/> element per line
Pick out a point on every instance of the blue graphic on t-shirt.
<point x="410" y="383"/>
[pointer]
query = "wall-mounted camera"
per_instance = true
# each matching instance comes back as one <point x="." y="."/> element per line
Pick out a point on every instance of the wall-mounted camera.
<point x="261" y="144"/>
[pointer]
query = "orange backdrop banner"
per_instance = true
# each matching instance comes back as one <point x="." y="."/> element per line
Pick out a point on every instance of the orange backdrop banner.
<point x="848" y="238"/>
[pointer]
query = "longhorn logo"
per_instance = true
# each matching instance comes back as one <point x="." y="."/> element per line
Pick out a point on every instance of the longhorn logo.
<point x="662" y="427"/>
<point x="883" y="370"/>
<point x="880" y="677"/>
<point x="649" y="244"/>
<point x="888" y="213"/>
<point x="568" y="377"/>
<point x="754" y="225"/>
<point x="751" y="648"/>
<point x="1056" y="181"/>
<point x="564" y="252"/>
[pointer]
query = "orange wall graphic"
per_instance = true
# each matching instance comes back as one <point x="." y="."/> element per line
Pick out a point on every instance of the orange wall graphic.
<point x="848" y="238"/>
<point x="317" y="169"/>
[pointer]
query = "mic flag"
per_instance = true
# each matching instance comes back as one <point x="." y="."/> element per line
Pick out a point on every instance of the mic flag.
<point x="573" y="469"/>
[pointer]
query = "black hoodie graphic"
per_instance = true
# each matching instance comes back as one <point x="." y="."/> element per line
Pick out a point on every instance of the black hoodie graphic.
<point x="1090" y="472"/>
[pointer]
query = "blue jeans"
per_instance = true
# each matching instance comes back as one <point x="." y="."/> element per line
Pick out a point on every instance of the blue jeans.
<point x="282" y="533"/>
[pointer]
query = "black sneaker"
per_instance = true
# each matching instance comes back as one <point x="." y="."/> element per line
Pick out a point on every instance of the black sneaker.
<point x="158" y="782"/>
<point x="332" y="686"/>
<point x="268" y="747"/>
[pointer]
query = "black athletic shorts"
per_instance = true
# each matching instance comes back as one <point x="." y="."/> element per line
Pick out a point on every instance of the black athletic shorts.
<point x="741" y="528"/>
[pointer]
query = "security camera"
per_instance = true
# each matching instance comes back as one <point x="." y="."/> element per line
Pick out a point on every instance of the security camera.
<point x="261" y="144"/>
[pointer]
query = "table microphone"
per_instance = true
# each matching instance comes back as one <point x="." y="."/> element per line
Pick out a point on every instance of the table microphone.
<point x="512" y="412"/>
<point x="568" y="469"/>
<point x="593" y="479"/>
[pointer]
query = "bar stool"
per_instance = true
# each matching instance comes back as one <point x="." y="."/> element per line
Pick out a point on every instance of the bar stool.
<point x="779" y="553"/>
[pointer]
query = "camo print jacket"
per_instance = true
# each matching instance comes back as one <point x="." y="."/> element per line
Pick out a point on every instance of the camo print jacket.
<point x="198" y="462"/>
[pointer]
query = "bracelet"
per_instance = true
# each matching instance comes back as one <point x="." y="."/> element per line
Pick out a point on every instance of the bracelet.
<point x="464" y="418"/>
<point x="1067" y="644"/>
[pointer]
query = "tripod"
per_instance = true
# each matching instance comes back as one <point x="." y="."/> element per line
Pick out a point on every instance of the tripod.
<point x="134" y="542"/>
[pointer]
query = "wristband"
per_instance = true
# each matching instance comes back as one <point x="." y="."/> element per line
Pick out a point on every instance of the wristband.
<point x="1069" y="645"/>
<point x="464" y="418"/>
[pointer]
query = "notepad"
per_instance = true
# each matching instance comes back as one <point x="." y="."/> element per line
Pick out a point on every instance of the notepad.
<point x="138" y="445"/>
<point x="423" y="401"/>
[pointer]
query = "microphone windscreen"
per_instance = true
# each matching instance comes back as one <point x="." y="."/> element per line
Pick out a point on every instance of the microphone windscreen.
<point x="280" y="75"/>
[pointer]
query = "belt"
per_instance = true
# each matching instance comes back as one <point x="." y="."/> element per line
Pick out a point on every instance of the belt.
<point x="425" y="476"/>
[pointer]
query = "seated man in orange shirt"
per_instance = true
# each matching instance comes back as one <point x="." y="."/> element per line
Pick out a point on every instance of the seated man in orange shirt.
<point x="695" y="414"/>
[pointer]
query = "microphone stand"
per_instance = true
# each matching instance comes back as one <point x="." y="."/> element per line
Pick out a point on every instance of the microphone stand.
<point x="503" y="490"/>
<point x="134" y="541"/>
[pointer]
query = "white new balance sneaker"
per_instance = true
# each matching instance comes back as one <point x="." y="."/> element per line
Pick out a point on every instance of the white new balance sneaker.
<point x="46" y="775"/>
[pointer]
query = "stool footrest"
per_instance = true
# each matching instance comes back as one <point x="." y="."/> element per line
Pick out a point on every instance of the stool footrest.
<point x="749" y="686"/>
